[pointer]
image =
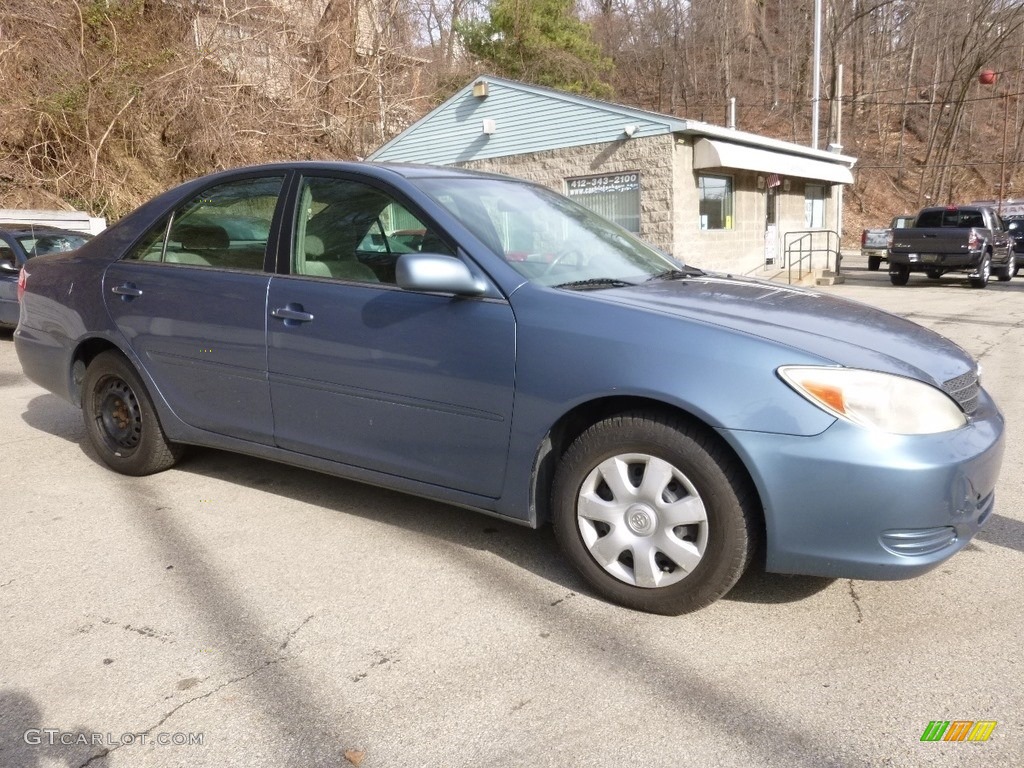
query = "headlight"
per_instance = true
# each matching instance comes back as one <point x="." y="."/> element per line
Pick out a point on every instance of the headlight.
<point x="879" y="401"/>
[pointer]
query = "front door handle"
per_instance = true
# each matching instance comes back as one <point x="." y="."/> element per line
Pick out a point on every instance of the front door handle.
<point x="293" y="314"/>
<point x="127" y="291"/>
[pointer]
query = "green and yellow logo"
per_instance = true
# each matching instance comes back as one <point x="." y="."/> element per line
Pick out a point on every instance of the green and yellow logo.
<point x="958" y="730"/>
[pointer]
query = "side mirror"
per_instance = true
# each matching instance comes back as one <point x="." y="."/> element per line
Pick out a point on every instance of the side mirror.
<point x="434" y="273"/>
<point x="8" y="265"/>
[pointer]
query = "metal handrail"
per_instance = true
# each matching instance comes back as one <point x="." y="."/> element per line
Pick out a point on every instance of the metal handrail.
<point x="803" y="244"/>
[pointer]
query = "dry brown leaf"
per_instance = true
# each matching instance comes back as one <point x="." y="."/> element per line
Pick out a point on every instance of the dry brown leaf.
<point x="355" y="756"/>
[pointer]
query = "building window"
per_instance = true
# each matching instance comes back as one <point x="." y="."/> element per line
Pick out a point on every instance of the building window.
<point x="715" y="202"/>
<point x="616" y="196"/>
<point x="814" y="206"/>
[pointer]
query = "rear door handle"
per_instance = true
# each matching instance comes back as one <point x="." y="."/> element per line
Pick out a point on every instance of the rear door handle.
<point x="127" y="291"/>
<point x="293" y="314"/>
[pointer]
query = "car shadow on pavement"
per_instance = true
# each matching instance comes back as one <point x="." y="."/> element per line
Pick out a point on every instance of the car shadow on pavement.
<point x="759" y="586"/>
<point x="1003" y="532"/>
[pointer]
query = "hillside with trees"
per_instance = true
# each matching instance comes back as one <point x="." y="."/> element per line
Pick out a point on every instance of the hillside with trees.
<point x="107" y="102"/>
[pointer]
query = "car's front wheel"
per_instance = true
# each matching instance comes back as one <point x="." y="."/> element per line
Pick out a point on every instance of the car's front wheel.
<point x="655" y="513"/>
<point x="121" y="421"/>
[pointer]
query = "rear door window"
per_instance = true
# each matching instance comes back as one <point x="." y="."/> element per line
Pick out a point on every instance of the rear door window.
<point x="224" y="227"/>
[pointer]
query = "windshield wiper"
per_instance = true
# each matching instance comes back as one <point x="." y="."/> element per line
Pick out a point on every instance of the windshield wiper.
<point x="677" y="274"/>
<point x="594" y="283"/>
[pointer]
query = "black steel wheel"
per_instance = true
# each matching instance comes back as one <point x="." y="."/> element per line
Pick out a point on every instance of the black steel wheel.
<point x="655" y="513"/>
<point x="121" y="421"/>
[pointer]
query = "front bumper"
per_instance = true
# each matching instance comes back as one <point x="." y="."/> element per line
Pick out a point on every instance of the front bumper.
<point x="850" y="503"/>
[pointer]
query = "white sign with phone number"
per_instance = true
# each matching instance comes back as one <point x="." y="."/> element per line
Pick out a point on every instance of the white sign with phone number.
<point x="612" y="182"/>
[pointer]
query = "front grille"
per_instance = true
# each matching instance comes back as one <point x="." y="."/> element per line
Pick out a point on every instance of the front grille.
<point x="964" y="389"/>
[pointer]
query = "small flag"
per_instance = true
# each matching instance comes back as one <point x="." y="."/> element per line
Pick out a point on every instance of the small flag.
<point x="774" y="180"/>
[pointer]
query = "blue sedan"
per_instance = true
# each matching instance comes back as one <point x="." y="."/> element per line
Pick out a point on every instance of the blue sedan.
<point x="18" y="244"/>
<point x="524" y="358"/>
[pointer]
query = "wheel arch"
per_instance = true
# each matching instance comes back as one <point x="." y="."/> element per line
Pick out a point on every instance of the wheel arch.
<point x="85" y="353"/>
<point x="580" y="418"/>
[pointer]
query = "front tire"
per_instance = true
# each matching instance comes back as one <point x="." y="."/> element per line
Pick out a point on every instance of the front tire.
<point x="121" y="421"/>
<point x="654" y="512"/>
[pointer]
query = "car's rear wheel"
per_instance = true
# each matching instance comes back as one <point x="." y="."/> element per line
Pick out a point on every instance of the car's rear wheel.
<point x="980" y="278"/>
<point x="654" y="512"/>
<point x="899" y="274"/>
<point x="874" y="262"/>
<point x="121" y="421"/>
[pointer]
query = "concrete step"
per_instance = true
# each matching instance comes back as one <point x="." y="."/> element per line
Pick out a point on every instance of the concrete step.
<point x="809" y="278"/>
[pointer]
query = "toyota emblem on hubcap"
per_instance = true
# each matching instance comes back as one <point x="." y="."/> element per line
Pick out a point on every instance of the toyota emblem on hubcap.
<point x="640" y="520"/>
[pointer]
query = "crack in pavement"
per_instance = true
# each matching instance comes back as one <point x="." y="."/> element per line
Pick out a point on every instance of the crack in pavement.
<point x="241" y="678"/>
<point x="856" y="602"/>
<point x="291" y="635"/>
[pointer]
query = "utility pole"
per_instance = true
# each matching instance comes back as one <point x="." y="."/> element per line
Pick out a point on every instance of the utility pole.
<point x="816" y="88"/>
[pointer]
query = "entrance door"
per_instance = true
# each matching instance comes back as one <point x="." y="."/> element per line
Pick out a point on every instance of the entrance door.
<point x="771" y="227"/>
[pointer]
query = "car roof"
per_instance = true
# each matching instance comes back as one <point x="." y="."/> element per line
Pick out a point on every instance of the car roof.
<point x="405" y="170"/>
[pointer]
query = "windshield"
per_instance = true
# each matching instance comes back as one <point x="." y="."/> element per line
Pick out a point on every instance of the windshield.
<point x="546" y="237"/>
<point x="37" y="245"/>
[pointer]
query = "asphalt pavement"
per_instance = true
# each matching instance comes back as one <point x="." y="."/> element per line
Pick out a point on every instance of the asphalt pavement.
<point x="235" y="612"/>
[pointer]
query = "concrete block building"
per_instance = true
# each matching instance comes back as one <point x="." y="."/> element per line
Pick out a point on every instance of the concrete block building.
<point x="717" y="197"/>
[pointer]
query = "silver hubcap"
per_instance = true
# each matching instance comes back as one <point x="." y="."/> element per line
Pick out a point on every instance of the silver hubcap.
<point x="642" y="520"/>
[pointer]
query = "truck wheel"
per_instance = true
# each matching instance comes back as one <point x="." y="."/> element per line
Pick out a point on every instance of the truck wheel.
<point x="933" y="273"/>
<point x="874" y="262"/>
<point x="899" y="274"/>
<point x="1006" y="273"/>
<point x="980" y="278"/>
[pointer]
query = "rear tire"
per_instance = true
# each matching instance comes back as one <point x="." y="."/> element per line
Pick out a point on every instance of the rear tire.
<point x="874" y="262"/>
<point x="933" y="274"/>
<point x="899" y="274"/>
<point x="121" y="421"/>
<point x="655" y="513"/>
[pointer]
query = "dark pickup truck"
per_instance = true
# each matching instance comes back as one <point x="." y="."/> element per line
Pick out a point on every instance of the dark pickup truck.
<point x="966" y="238"/>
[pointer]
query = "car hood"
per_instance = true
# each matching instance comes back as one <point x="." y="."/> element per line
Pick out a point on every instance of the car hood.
<point x="840" y="331"/>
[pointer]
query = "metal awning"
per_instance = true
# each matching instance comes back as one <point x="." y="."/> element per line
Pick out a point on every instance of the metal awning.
<point x="709" y="153"/>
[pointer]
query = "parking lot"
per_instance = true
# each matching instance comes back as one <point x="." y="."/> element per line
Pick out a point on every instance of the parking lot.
<point x="235" y="612"/>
